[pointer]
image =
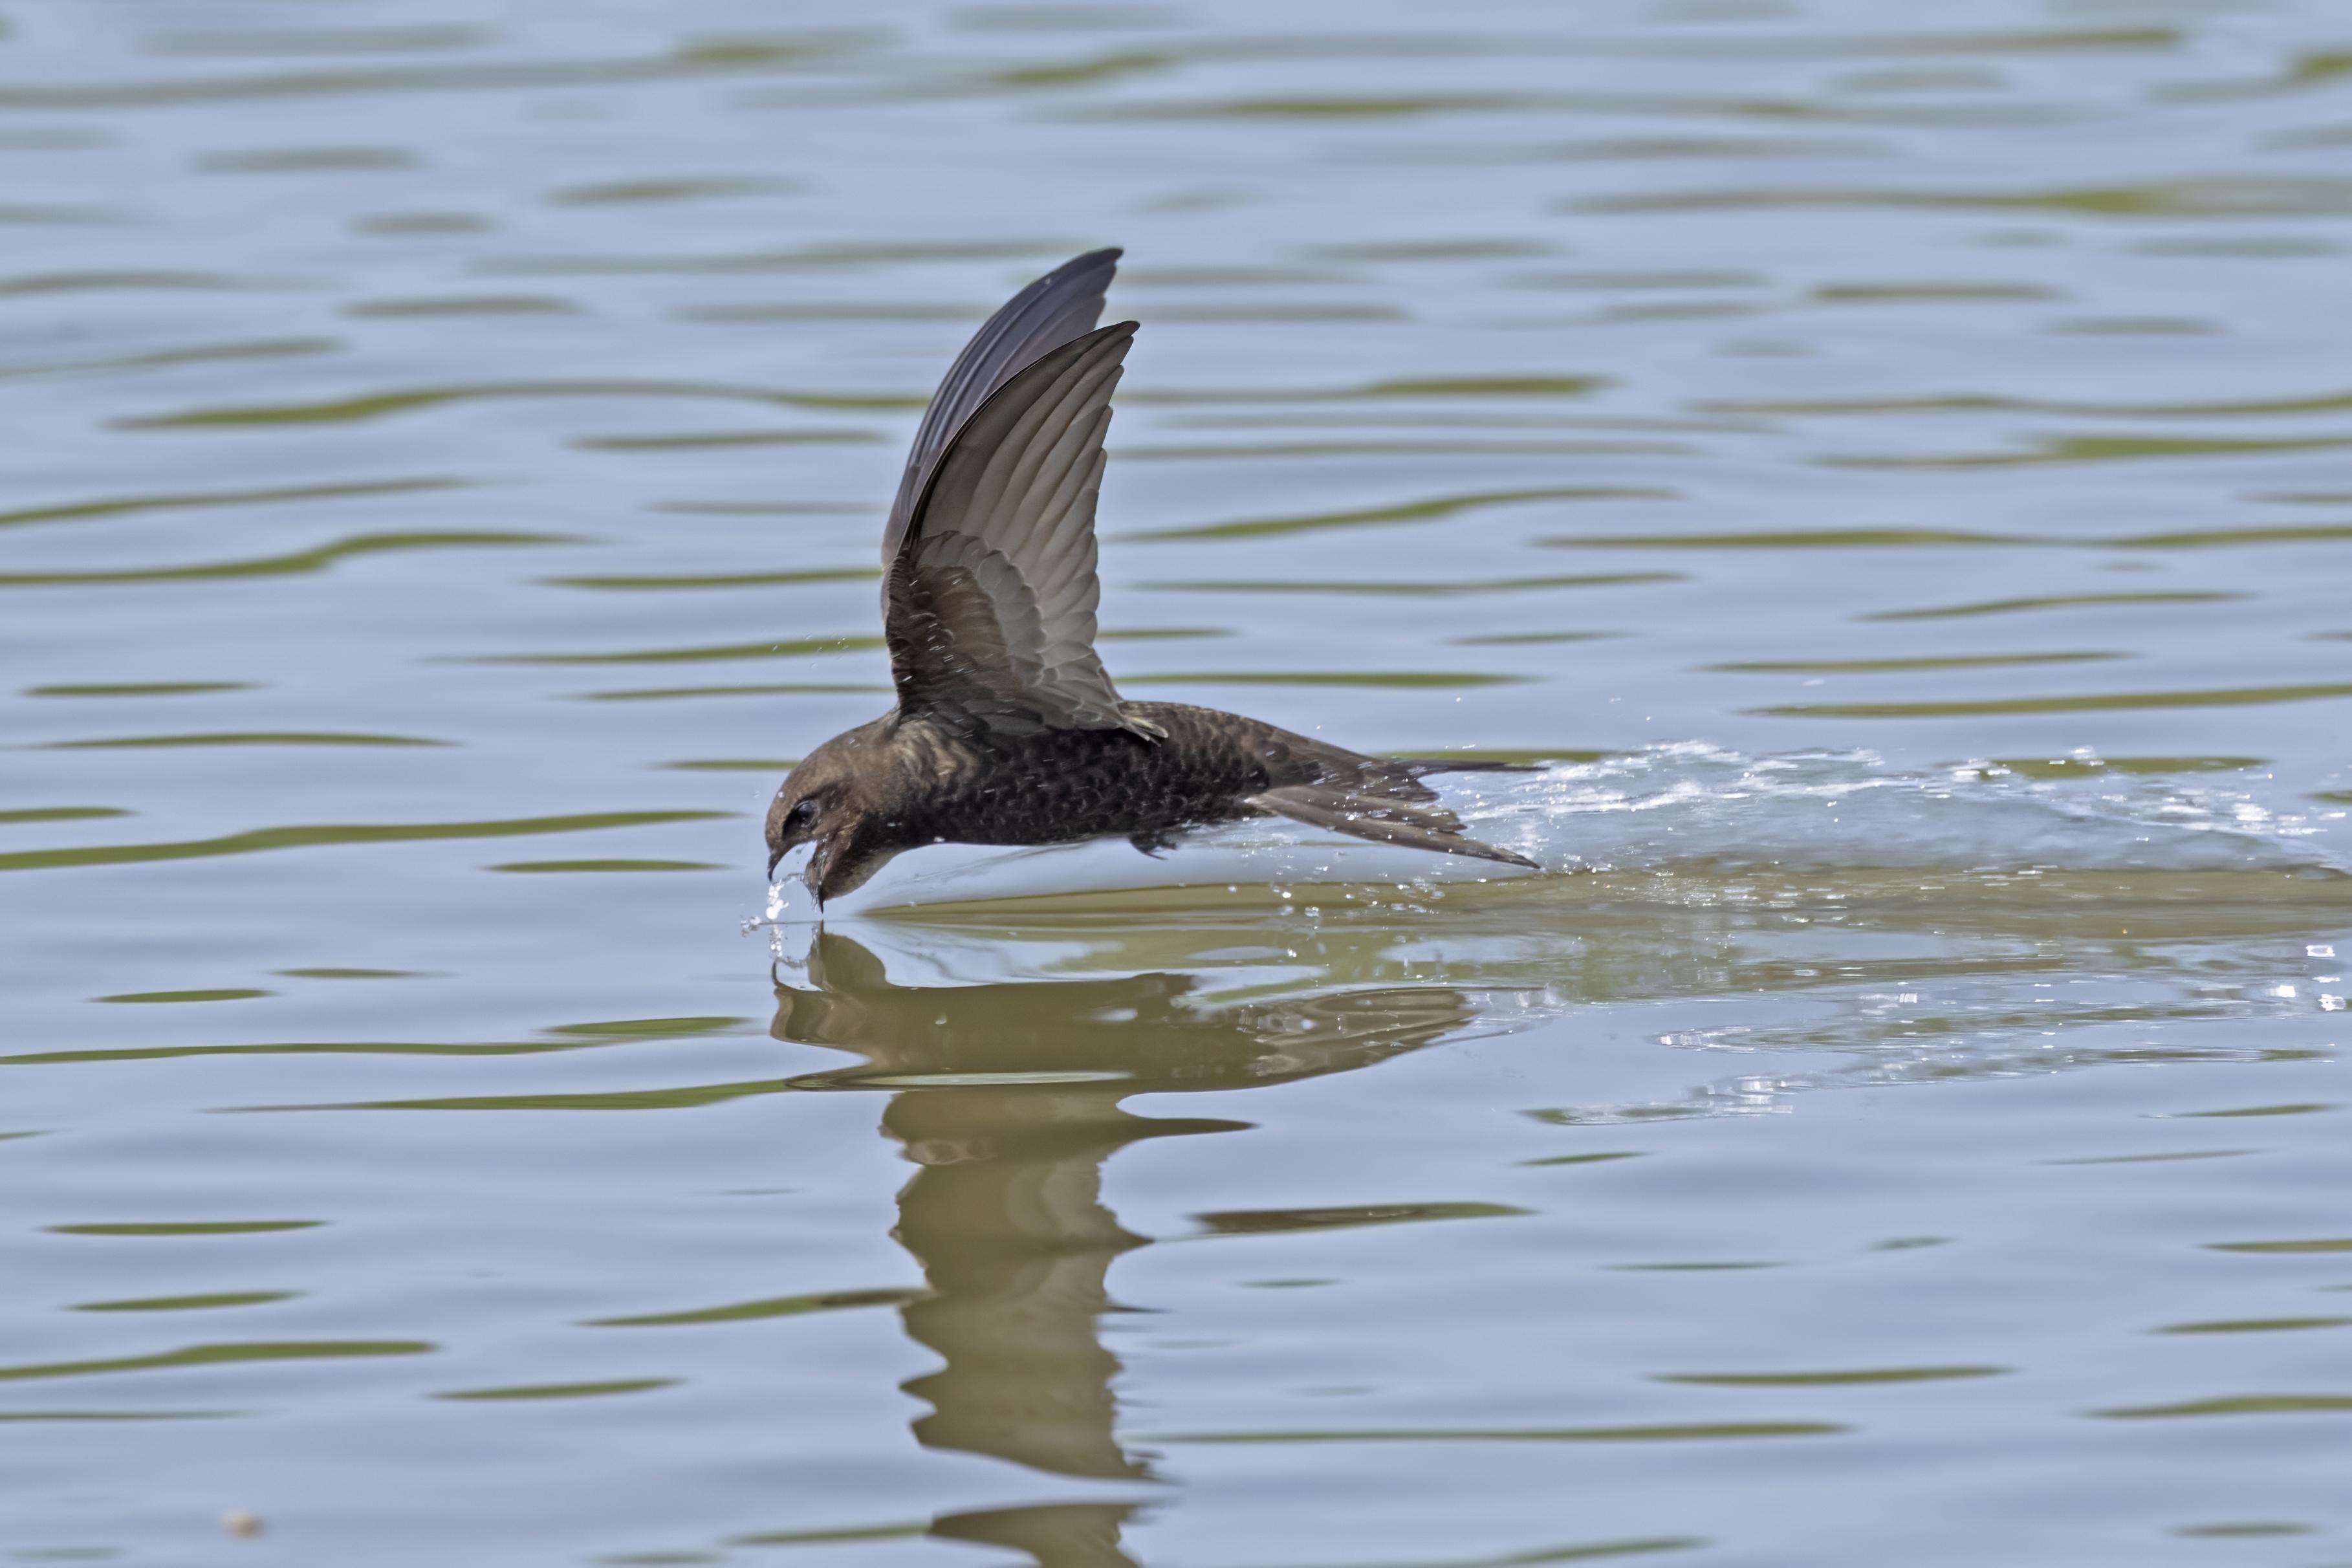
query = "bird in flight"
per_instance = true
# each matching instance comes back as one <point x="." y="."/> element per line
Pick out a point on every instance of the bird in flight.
<point x="1008" y="729"/>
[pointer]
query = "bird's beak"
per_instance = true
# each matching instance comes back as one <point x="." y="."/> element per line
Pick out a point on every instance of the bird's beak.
<point x="773" y="855"/>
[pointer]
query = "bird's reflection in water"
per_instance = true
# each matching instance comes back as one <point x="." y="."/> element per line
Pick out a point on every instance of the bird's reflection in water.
<point x="1006" y="1097"/>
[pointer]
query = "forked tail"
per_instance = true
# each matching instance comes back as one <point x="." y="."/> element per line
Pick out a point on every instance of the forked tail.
<point x="1383" y="819"/>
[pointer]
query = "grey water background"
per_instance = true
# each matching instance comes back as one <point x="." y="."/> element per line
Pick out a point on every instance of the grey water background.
<point x="1891" y="461"/>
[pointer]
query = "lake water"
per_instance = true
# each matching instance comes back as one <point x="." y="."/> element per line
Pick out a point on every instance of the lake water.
<point x="1890" y="462"/>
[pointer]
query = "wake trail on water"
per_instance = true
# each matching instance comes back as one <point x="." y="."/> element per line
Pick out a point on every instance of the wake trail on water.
<point x="1692" y="801"/>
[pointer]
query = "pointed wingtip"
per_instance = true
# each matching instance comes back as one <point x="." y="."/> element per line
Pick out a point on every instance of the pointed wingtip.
<point x="1117" y="335"/>
<point x="1105" y="261"/>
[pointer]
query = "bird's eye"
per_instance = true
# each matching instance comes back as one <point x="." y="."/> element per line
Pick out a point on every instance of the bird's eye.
<point x="801" y="815"/>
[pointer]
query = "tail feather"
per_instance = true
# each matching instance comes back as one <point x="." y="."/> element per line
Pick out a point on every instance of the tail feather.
<point x="1382" y="820"/>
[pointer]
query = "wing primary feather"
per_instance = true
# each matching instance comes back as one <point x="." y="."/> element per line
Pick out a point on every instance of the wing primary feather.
<point x="1001" y="506"/>
<point x="990" y="602"/>
<point x="1064" y="304"/>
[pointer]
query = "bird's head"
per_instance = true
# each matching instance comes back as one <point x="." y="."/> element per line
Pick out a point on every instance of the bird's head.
<point x="827" y="801"/>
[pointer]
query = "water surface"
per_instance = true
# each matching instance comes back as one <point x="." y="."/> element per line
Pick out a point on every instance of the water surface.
<point x="1887" y="471"/>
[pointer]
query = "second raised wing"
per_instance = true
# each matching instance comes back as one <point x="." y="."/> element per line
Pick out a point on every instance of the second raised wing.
<point x="989" y="600"/>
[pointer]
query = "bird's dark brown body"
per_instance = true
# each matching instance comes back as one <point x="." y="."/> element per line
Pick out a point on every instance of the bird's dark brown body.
<point x="913" y="781"/>
<point x="1008" y="729"/>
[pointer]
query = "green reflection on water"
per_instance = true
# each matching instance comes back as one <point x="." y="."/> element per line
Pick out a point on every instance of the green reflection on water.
<point x="140" y="689"/>
<point x="727" y="765"/>
<point x="1621" y="281"/>
<point x="608" y="865"/>
<point x="774" y="1307"/>
<point x="294" y="564"/>
<point x="836" y="310"/>
<point x="649" y="1029"/>
<point x="1273" y="1222"/>
<point x="1428" y="511"/>
<point x="2241" y="1404"/>
<point x="303" y="1048"/>
<point x="830" y="258"/>
<point x="2200" y="538"/>
<point x="1893" y="666"/>
<point x="794" y="648"/>
<point x="639" y="191"/>
<point x="382" y="405"/>
<point x="772" y="689"/>
<point x="306" y="160"/>
<point x="2147" y="767"/>
<point x="826" y="1537"/>
<point x="1686" y="1431"/>
<point x="1913" y="293"/>
<point x="2155" y="1159"/>
<point x="420" y="223"/>
<point x="2100" y="449"/>
<point x="1811" y="539"/>
<point x="119" y="1415"/>
<point x="2235" y="696"/>
<point x="1988" y="403"/>
<point x="1623" y="149"/>
<point x="267" y="838"/>
<point x="1588" y="1552"/>
<point x="223" y="1355"/>
<point x="2244" y="1530"/>
<point x="190" y="1303"/>
<point x="1515" y="639"/>
<point x="2254" y="1325"/>
<point x="124" y="506"/>
<point x="1420" y="590"/>
<point x="683" y="1099"/>
<point x="719" y="579"/>
<point x="129" y="281"/>
<point x="1496" y="249"/>
<point x="164" y="359"/>
<point x="1393" y="447"/>
<point x="463" y="305"/>
<point x="565" y="1390"/>
<point x="2248" y="197"/>
<point x="316" y="40"/>
<point x="341" y="972"/>
<point x="238" y="738"/>
<point x="722" y="58"/>
<point x="227" y="995"/>
<point x="1603" y="1157"/>
<point x="2054" y="602"/>
<point x="1298" y="314"/>
<point x="1405" y="679"/>
<point x="1833" y="1379"/>
<point x="188" y="1227"/>
<point x="721" y="438"/>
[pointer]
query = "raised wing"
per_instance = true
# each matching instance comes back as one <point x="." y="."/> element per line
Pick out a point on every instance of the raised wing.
<point x="989" y="605"/>
<point x="1063" y="304"/>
